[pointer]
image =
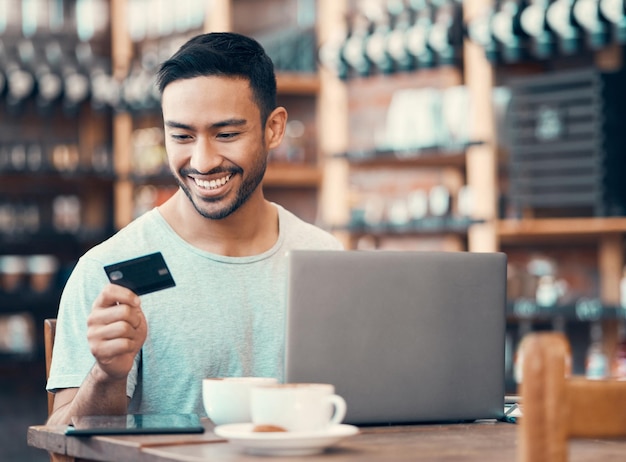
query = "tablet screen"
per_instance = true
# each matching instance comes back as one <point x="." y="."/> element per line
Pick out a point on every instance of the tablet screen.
<point x="135" y="424"/>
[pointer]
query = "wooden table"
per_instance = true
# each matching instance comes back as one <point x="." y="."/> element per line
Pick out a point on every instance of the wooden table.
<point x="480" y="441"/>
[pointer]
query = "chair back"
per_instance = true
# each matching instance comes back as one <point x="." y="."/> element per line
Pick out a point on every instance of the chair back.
<point x="557" y="406"/>
<point x="49" y="331"/>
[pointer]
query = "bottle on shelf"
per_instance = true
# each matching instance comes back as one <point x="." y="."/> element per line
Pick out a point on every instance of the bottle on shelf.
<point x="508" y="32"/>
<point x="376" y="48"/>
<point x="354" y="51"/>
<point x="76" y="79"/>
<point x="618" y="365"/>
<point x="139" y="91"/>
<point x="549" y="291"/>
<point x="535" y="24"/>
<point x="397" y="41"/>
<point x="3" y="65"/>
<point x="20" y="80"/>
<point x="446" y="34"/>
<point x="615" y="12"/>
<point x="19" y="334"/>
<point x="418" y="33"/>
<point x="49" y="81"/>
<point x="35" y="157"/>
<point x="105" y="89"/>
<point x="480" y="32"/>
<point x="12" y="273"/>
<point x="596" y="364"/>
<point x="596" y="27"/>
<point x="42" y="270"/>
<point x="331" y="53"/>
<point x="568" y="32"/>
<point x="622" y="289"/>
<point x="439" y="205"/>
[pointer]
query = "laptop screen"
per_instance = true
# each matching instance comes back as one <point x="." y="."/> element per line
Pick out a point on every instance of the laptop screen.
<point x="404" y="336"/>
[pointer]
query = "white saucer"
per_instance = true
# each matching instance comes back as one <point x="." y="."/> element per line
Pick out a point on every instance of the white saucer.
<point x="283" y="443"/>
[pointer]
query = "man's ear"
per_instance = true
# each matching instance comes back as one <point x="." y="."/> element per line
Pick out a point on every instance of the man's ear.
<point x="275" y="127"/>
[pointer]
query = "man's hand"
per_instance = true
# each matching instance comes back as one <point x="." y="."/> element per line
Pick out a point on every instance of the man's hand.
<point x="116" y="331"/>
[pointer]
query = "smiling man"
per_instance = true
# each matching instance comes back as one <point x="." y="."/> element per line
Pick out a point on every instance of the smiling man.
<point x="224" y="243"/>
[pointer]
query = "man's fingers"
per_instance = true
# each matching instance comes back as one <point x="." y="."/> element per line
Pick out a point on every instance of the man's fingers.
<point x="117" y="329"/>
<point x="111" y="314"/>
<point x="112" y="294"/>
<point x="110" y="350"/>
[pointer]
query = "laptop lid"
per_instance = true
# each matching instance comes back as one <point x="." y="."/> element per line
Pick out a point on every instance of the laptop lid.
<point x="404" y="336"/>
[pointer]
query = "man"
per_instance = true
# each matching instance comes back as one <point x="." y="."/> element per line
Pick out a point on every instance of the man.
<point x="224" y="243"/>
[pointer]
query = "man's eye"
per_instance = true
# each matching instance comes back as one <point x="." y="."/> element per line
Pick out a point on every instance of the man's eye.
<point x="227" y="136"/>
<point x="180" y="137"/>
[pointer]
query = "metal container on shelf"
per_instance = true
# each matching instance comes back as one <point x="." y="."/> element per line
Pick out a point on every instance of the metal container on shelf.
<point x="567" y="144"/>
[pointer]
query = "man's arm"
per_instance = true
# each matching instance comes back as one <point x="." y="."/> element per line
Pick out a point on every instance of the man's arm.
<point x="94" y="397"/>
<point x="116" y="331"/>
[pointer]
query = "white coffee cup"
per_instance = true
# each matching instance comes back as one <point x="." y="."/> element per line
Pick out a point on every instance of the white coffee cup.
<point x="298" y="407"/>
<point x="227" y="400"/>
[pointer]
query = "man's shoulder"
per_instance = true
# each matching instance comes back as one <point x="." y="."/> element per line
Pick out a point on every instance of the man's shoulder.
<point x="127" y="242"/>
<point x="302" y="234"/>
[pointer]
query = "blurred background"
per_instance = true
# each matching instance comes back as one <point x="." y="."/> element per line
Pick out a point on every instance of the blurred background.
<point x="449" y="125"/>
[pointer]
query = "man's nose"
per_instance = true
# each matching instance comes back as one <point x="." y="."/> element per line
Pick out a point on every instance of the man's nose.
<point x="204" y="156"/>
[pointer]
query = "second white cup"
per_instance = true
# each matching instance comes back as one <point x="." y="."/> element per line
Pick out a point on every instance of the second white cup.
<point x="298" y="407"/>
<point x="227" y="400"/>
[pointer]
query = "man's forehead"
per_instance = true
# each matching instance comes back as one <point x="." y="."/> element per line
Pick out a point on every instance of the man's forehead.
<point x="207" y="91"/>
<point x="214" y="97"/>
<point x="207" y="81"/>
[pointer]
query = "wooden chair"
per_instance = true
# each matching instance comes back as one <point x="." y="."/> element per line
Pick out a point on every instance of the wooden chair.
<point x="557" y="406"/>
<point x="49" y="331"/>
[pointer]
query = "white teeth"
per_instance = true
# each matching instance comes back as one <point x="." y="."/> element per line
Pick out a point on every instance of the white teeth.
<point x="212" y="184"/>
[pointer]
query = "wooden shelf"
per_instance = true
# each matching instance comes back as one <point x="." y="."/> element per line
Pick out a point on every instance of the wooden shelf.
<point x="527" y="229"/>
<point x="593" y="310"/>
<point x="297" y="83"/>
<point x="277" y="175"/>
<point x="393" y="160"/>
<point x="426" y="226"/>
<point x="79" y="175"/>
<point x="280" y="175"/>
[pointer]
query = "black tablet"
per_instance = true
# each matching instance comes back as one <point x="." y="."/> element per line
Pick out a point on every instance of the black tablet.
<point x="135" y="424"/>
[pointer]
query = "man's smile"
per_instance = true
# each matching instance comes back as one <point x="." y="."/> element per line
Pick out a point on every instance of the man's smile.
<point x="213" y="184"/>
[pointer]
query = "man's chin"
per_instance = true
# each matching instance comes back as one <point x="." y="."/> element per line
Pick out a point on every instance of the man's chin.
<point x="214" y="209"/>
<point x="212" y="213"/>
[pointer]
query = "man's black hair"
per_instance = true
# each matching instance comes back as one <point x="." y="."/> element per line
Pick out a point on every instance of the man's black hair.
<point x="224" y="54"/>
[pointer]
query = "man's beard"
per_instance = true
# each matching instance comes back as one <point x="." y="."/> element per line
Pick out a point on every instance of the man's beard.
<point x="249" y="185"/>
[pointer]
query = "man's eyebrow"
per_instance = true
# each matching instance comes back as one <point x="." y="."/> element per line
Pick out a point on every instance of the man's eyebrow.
<point x="228" y="122"/>
<point x="173" y="124"/>
<point x="220" y="124"/>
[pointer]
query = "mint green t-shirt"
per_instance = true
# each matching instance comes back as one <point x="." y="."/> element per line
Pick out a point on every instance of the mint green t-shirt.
<point x="225" y="317"/>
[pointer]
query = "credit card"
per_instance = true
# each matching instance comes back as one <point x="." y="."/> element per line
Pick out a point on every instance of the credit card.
<point x="142" y="275"/>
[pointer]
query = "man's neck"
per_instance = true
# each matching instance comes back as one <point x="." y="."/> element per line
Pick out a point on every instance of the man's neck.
<point x="251" y="230"/>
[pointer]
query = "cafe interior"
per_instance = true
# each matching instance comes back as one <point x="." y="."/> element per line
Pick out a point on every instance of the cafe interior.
<point x="414" y="125"/>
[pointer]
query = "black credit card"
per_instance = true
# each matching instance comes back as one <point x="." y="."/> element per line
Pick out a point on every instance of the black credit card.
<point x="142" y="275"/>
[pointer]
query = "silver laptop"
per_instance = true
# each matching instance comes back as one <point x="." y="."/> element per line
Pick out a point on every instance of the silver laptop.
<point x="405" y="337"/>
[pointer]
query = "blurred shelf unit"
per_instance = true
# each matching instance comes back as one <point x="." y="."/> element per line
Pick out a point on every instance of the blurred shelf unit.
<point x="559" y="143"/>
<point x="56" y="158"/>
<point x="532" y="107"/>
<point x="413" y="219"/>
<point x="291" y="83"/>
<point x="585" y="310"/>
<point x="403" y="163"/>
<point x="289" y="175"/>
<point x="375" y="159"/>
<point x="402" y="106"/>
<point x="537" y="229"/>
<point x="407" y="162"/>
